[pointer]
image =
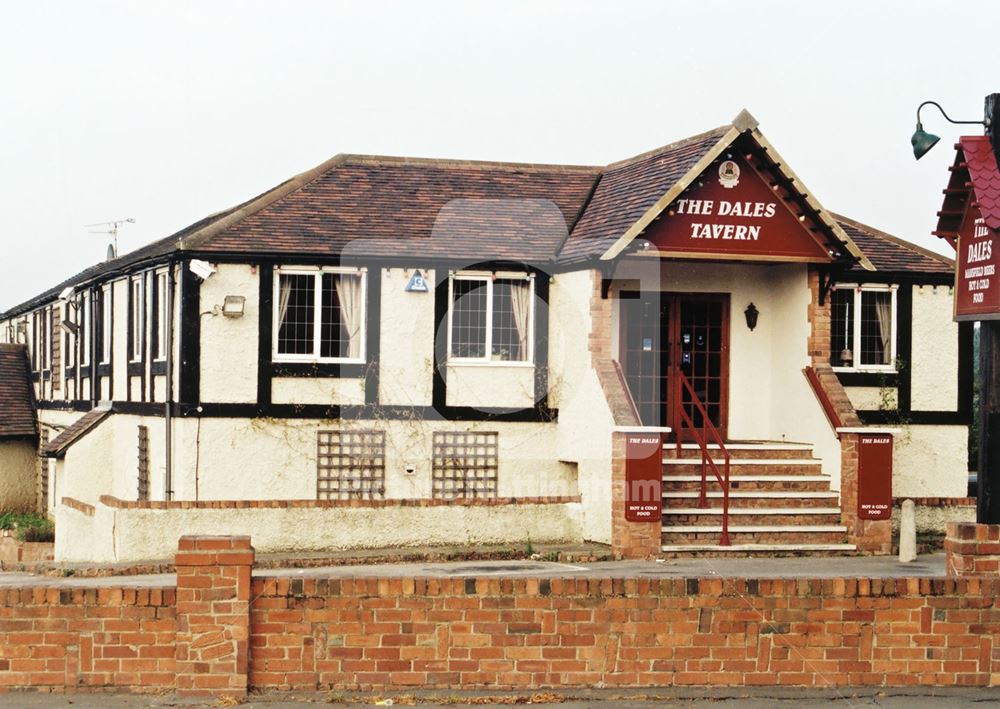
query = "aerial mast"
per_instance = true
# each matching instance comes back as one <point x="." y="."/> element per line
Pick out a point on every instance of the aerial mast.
<point x="112" y="231"/>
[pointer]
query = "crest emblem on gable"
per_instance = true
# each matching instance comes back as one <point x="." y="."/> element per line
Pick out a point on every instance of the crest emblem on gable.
<point x="729" y="174"/>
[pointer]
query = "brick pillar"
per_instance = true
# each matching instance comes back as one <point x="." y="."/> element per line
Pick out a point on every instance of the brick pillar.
<point x="873" y="536"/>
<point x="972" y="549"/>
<point x="629" y="540"/>
<point x="213" y="615"/>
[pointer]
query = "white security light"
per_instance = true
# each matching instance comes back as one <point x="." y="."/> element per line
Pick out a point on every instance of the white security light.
<point x="202" y="269"/>
<point x="66" y="293"/>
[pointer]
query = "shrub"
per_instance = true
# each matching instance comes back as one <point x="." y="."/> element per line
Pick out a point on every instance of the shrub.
<point x="37" y="533"/>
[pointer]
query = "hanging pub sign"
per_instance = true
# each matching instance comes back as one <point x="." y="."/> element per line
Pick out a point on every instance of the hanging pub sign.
<point x="643" y="477"/>
<point x="731" y="212"/>
<point x="977" y="291"/>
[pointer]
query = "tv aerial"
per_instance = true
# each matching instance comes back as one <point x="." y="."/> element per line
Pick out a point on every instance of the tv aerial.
<point x="112" y="231"/>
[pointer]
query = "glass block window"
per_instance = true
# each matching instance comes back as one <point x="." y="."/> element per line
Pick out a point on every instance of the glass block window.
<point x="491" y="319"/>
<point x="350" y="465"/>
<point x="319" y="316"/>
<point x="863" y="328"/>
<point x="465" y="465"/>
<point x="143" y="463"/>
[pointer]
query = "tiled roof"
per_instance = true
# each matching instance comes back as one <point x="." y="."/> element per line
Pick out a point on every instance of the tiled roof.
<point x="17" y="400"/>
<point x="437" y="209"/>
<point x="57" y="447"/>
<point x="982" y="163"/>
<point x="891" y="254"/>
<point x="459" y="210"/>
<point x="628" y="189"/>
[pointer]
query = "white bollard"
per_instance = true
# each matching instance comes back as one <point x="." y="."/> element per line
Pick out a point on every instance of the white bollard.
<point x="907" y="532"/>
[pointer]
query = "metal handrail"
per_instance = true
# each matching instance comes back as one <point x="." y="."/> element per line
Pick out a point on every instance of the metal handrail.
<point x="682" y="418"/>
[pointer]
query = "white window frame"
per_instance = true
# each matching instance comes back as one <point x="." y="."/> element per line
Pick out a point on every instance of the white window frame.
<point x="318" y="272"/>
<point x="136" y="317"/>
<point x="489" y="278"/>
<point x="107" y="325"/>
<point x="160" y="286"/>
<point x="85" y="319"/>
<point x="47" y="349"/>
<point x="858" y="289"/>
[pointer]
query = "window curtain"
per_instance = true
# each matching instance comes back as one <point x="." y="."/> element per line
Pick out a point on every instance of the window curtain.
<point x="883" y="311"/>
<point x="284" y="295"/>
<point x="349" y="292"/>
<point x="520" y="301"/>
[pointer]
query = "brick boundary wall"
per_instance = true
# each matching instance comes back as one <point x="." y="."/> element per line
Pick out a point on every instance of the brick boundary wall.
<point x="221" y="633"/>
<point x="972" y="549"/>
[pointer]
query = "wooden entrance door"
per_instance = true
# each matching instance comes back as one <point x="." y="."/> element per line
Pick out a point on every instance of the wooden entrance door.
<point x="689" y="331"/>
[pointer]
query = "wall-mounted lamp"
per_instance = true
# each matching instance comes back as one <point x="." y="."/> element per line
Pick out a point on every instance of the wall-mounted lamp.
<point x="202" y="269"/>
<point x="922" y="141"/>
<point x="751" y="314"/>
<point x="69" y="326"/>
<point x="233" y="306"/>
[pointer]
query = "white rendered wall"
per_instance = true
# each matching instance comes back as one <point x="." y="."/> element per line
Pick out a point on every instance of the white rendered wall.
<point x="317" y="390"/>
<point x="406" y="355"/>
<point x="930" y="461"/>
<point x="124" y="535"/>
<point x="585" y="420"/>
<point x="483" y="386"/>
<point x="264" y="459"/>
<point x="229" y="345"/>
<point x="934" y="380"/>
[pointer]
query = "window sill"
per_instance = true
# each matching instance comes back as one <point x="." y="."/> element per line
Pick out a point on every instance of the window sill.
<point x="489" y="363"/>
<point x="865" y="370"/>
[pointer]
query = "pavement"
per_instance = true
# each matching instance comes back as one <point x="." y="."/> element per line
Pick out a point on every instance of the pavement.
<point x="680" y="698"/>
<point x="931" y="565"/>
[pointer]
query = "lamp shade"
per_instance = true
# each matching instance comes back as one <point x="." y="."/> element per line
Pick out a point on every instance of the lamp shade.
<point x="922" y="141"/>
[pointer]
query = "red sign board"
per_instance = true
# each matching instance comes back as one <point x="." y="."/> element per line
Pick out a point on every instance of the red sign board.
<point x="977" y="290"/>
<point x="643" y="477"/>
<point x="731" y="212"/>
<point x="875" y="476"/>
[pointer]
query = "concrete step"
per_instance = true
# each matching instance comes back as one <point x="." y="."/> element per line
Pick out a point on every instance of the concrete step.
<point x="758" y="534"/>
<point x="748" y="466"/>
<point x="696" y="517"/>
<point x="740" y="499"/>
<point x="746" y="449"/>
<point x="750" y="483"/>
<point x="761" y="549"/>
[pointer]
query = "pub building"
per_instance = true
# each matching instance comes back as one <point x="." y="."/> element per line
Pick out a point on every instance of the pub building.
<point x="390" y="351"/>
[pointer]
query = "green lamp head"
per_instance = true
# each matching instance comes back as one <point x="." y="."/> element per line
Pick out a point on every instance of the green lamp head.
<point x="922" y="141"/>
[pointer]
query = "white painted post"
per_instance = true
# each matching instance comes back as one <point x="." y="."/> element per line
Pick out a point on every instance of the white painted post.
<point x="907" y="532"/>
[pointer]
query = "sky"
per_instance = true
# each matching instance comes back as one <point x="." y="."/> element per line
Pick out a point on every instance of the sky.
<point x="165" y="112"/>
